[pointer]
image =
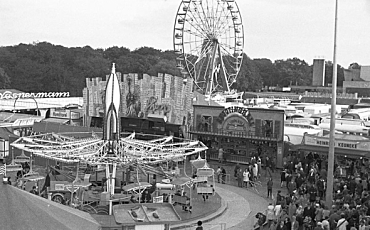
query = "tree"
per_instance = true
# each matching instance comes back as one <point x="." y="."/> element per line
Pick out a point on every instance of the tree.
<point x="267" y="71"/>
<point x="354" y="65"/>
<point x="147" y="51"/>
<point x="164" y="66"/>
<point x="4" y="79"/>
<point x="249" y="78"/>
<point x="293" y="71"/>
<point x="115" y="52"/>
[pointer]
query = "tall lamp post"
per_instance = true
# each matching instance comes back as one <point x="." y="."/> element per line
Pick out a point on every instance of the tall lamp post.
<point x="330" y="179"/>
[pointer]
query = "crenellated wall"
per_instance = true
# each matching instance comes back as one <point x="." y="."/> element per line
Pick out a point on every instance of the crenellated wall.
<point x="142" y="94"/>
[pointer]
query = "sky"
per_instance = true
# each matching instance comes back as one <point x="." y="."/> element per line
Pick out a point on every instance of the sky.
<point x="273" y="29"/>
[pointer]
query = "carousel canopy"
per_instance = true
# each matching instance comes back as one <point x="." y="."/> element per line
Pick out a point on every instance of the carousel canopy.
<point x="94" y="151"/>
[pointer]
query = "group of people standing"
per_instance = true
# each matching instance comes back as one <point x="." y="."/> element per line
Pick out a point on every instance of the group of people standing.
<point x="303" y="207"/>
<point x="250" y="174"/>
<point x="221" y="174"/>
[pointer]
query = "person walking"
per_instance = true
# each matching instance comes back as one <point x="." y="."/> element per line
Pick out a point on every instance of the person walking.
<point x="236" y="169"/>
<point x="255" y="171"/>
<point x="260" y="222"/>
<point x="292" y="186"/>
<point x="295" y="224"/>
<point x="282" y="226"/>
<point x="220" y="155"/>
<point x="342" y="222"/>
<point x="270" y="214"/>
<point x="259" y="163"/>
<point x="268" y="167"/>
<point x="270" y="183"/>
<point x="223" y="175"/>
<point x="239" y="177"/>
<point x="218" y="172"/>
<point x="282" y="178"/>
<point x="199" y="225"/>
<point x="246" y="177"/>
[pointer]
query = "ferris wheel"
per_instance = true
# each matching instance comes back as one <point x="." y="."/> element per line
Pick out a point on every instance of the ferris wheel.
<point x="208" y="38"/>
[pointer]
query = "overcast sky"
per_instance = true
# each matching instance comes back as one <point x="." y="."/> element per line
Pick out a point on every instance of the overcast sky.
<point x="274" y="29"/>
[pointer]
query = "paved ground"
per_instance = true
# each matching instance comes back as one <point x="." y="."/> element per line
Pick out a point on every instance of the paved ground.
<point x="262" y="190"/>
<point x="239" y="205"/>
<point x="242" y="203"/>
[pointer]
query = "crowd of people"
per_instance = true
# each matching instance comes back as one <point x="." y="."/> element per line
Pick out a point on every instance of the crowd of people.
<point x="303" y="207"/>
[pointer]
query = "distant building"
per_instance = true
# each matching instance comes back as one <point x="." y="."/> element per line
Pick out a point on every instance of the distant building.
<point x="318" y="74"/>
<point x="357" y="81"/>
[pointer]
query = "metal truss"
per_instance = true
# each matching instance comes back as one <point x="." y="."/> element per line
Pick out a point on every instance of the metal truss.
<point x="94" y="151"/>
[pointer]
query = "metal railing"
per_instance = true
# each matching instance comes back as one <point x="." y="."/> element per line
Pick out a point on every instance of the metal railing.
<point x="236" y="134"/>
<point x="230" y="158"/>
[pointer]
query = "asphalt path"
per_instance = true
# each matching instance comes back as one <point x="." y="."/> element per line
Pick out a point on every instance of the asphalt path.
<point x="243" y="203"/>
<point x="242" y="206"/>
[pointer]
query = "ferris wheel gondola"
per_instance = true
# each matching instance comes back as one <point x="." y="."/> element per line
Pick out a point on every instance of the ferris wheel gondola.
<point x="208" y="37"/>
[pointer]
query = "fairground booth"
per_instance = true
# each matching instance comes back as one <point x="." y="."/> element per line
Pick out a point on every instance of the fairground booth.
<point x="241" y="132"/>
<point x="348" y="150"/>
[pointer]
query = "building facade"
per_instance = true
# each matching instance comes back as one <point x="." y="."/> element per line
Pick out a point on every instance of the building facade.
<point x="242" y="132"/>
<point x="318" y="75"/>
<point x="166" y="96"/>
<point x="357" y="81"/>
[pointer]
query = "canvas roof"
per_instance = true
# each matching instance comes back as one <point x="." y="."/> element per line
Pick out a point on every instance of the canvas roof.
<point x="21" y="210"/>
<point x="75" y="131"/>
<point x="6" y="134"/>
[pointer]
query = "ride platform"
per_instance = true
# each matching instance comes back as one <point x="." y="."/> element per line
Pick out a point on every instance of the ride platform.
<point x="200" y="210"/>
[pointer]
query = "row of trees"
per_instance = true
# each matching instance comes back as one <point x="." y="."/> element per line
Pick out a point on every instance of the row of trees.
<point x="46" y="67"/>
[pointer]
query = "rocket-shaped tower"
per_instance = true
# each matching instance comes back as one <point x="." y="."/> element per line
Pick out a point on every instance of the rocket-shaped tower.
<point x="111" y="131"/>
<point x="112" y="102"/>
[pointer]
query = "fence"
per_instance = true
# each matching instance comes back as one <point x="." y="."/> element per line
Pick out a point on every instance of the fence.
<point x="236" y="134"/>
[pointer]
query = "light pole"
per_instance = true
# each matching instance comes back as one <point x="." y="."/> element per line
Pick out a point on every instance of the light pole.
<point x="330" y="179"/>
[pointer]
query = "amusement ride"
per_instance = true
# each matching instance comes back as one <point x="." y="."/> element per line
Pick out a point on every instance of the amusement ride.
<point x="112" y="151"/>
<point x="208" y="38"/>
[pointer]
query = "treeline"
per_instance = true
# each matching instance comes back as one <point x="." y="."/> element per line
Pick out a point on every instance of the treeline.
<point x="53" y="68"/>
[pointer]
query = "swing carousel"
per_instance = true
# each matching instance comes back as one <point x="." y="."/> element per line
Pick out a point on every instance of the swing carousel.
<point x="112" y="151"/>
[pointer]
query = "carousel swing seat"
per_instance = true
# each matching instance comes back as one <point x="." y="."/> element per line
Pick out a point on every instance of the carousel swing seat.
<point x="22" y="159"/>
<point x="13" y="167"/>
<point x="199" y="162"/>
<point x="203" y="188"/>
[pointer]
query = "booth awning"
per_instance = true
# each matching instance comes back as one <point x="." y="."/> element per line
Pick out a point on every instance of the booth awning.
<point x="157" y="117"/>
<point x="325" y="150"/>
<point x="6" y="134"/>
<point x="75" y="131"/>
<point x="56" y="120"/>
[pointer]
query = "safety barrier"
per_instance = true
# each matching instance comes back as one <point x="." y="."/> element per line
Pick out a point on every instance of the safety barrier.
<point x="227" y="178"/>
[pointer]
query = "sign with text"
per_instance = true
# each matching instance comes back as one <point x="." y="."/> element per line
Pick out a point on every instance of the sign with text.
<point x="339" y="143"/>
<point x="59" y="187"/>
<point x="11" y="95"/>
<point x="64" y="114"/>
<point x="158" y="199"/>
